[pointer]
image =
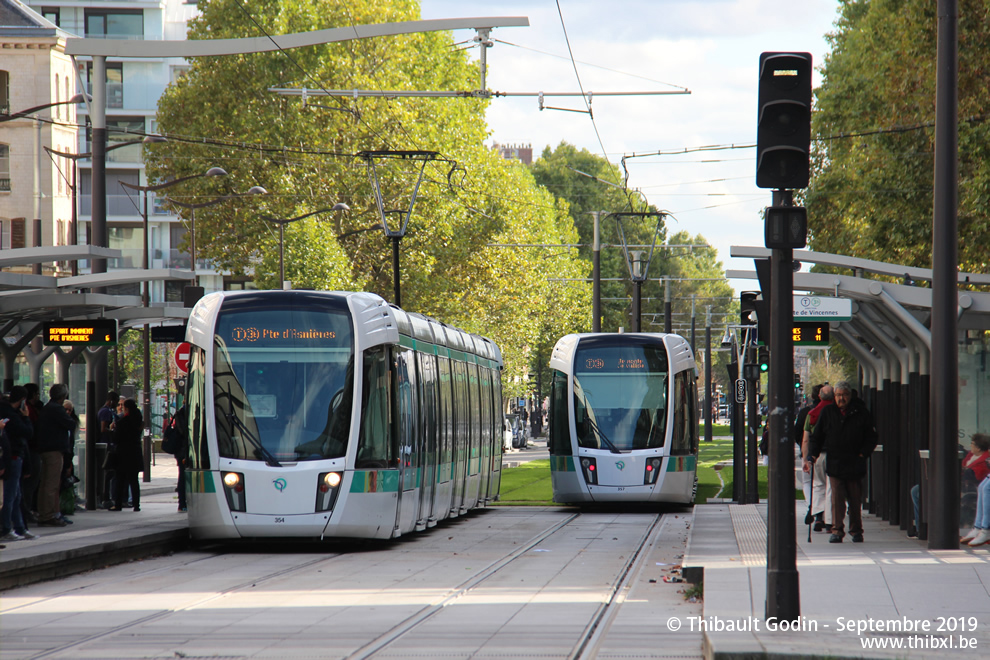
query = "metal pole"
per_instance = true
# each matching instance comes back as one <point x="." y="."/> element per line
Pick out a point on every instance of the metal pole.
<point x="783" y="599"/>
<point x="752" y="452"/>
<point x="738" y="432"/>
<point x="708" y="376"/>
<point x="693" y="350"/>
<point x="668" y="320"/>
<point x="192" y="245"/>
<point x="281" y="255"/>
<point x="596" y="276"/>
<point x="98" y="118"/>
<point x="146" y="385"/>
<point x="943" y="528"/>
<point x="37" y="229"/>
<point x="395" y="271"/>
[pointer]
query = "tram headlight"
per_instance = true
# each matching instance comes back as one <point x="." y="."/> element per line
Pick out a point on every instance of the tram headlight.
<point x="233" y="488"/>
<point x="590" y="469"/>
<point x="327" y="487"/>
<point x="652" y="470"/>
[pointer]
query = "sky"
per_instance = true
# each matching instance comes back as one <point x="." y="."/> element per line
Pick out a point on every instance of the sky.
<point x="710" y="47"/>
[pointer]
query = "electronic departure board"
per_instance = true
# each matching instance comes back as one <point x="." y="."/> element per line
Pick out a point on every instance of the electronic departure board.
<point x="95" y="332"/>
<point x="810" y="333"/>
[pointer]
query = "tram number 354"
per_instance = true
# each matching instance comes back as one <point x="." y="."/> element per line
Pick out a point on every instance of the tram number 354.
<point x="280" y="520"/>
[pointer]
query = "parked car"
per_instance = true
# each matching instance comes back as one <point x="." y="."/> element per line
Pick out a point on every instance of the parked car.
<point x="507" y="435"/>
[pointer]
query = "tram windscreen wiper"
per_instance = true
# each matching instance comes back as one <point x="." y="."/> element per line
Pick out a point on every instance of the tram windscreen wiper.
<point x="259" y="447"/>
<point x="591" y="420"/>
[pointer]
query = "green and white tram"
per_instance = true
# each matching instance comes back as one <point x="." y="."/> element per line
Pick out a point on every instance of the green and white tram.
<point x="623" y="420"/>
<point x="321" y="415"/>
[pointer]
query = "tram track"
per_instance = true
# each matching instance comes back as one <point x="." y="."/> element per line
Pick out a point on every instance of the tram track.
<point x="594" y="633"/>
<point x="611" y="551"/>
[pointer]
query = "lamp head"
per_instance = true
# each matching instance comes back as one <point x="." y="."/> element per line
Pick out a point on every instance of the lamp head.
<point x="340" y="206"/>
<point x="256" y="190"/>
<point x="216" y="171"/>
<point x="80" y="98"/>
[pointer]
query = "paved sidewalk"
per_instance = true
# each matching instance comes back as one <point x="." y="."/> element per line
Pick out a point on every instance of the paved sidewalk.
<point x="100" y="538"/>
<point x="932" y="603"/>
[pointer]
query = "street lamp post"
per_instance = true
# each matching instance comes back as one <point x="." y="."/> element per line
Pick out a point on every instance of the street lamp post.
<point x="146" y="292"/>
<point x="282" y="222"/>
<point x="254" y="190"/>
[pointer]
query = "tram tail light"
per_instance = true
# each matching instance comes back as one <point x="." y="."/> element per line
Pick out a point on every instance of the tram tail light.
<point x="652" y="471"/>
<point x="327" y="487"/>
<point x="590" y="469"/>
<point x="233" y="488"/>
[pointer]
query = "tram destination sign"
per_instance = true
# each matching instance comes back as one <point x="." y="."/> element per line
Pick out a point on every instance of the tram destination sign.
<point x="93" y="332"/>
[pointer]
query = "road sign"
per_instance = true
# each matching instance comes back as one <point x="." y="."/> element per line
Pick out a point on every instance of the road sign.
<point x="181" y="357"/>
<point x="808" y="308"/>
<point x="740" y="391"/>
<point x="94" y="332"/>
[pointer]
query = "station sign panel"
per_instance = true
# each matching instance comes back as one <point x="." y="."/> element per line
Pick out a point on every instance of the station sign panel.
<point x="93" y="332"/>
<point x="168" y="334"/>
<point x="808" y="308"/>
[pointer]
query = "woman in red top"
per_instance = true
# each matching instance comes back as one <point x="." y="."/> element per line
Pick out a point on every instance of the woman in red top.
<point x="975" y="470"/>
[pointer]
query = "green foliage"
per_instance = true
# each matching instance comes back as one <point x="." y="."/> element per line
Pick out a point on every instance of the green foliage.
<point x="305" y="156"/>
<point x="872" y="189"/>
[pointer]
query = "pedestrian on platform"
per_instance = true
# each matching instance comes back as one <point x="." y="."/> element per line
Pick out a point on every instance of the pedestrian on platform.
<point x="847" y="432"/>
<point x="19" y="432"/>
<point x="799" y="421"/>
<point x="31" y="469"/>
<point x="55" y="429"/>
<point x="127" y="435"/>
<point x="976" y="461"/>
<point x="821" y="491"/>
<point x="178" y="431"/>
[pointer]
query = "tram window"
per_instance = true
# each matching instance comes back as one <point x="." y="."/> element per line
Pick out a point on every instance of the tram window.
<point x="375" y="443"/>
<point x="560" y="439"/>
<point x="199" y="454"/>
<point x="685" y="431"/>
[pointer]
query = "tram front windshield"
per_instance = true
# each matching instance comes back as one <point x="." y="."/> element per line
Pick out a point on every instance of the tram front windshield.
<point x="620" y="397"/>
<point x="283" y="377"/>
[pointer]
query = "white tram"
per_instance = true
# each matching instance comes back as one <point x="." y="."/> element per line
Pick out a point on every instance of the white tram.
<point x="623" y="422"/>
<point x="320" y="415"/>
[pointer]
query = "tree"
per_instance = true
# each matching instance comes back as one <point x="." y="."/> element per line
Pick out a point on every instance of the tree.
<point x="871" y="194"/>
<point x="221" y="113"/>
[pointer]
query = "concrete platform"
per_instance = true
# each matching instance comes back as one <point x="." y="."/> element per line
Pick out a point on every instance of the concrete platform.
<point x="889" y="597"/>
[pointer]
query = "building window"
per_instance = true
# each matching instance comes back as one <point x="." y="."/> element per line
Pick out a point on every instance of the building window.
<point x="51" y="14"/>
<point x="115" y="83"/>
<point x="4" y="92"/>
<point x="4" y="168"/>
<point x="114" y="24"/>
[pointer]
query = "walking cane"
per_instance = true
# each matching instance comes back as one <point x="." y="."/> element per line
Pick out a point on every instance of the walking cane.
<point x="809" y="517"/>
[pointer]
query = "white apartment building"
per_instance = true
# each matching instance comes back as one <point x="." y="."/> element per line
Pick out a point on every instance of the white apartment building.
<point x="133" y="89"/>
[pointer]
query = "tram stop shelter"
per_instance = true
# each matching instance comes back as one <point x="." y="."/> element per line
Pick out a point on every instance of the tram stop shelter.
<point x="28" y="301"/>
<point x="889" y="336"/>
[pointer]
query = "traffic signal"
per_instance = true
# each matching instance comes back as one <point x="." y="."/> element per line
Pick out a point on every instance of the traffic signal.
<point x="763" y="357"/>
<point x="747" y="307"/>
<point x="753" y="310"/>
<point x="783" y="136"/>
<point x="797" y="381"/>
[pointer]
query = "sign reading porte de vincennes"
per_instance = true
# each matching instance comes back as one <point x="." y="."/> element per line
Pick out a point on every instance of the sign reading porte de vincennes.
<point x="807" y="308"/>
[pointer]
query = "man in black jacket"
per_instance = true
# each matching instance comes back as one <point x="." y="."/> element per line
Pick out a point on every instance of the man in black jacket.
<point x="55" y="428"/>
<point x="848" y="435"/>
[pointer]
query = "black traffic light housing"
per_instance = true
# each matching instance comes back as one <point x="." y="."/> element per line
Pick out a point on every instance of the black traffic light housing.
<point x="754" y="310"/>
<point x="785" y="227"/>
<point x="783" y="136"/>
<point x="763" y="358"/>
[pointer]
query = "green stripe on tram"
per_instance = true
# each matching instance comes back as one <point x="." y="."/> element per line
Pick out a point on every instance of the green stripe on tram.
<point x="682" y="463"/>
<point x="375" y="481"/>
<point x="562" y="464"/>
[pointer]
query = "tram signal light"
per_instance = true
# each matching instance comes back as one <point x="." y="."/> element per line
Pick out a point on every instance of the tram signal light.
<point x="797" y="381"/>
<point x="763" y="356"/>
<point x="783" y="136"/>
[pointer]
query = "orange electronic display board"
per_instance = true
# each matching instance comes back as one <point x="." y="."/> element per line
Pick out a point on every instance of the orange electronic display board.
<point x="93" y="332"/>
<point x="810" y="333"/>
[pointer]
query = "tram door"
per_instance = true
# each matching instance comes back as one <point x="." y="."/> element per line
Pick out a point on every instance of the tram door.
<point x="407" y="511"/>
<point x="461" y="446"/>
<point x="428" y="431"/>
